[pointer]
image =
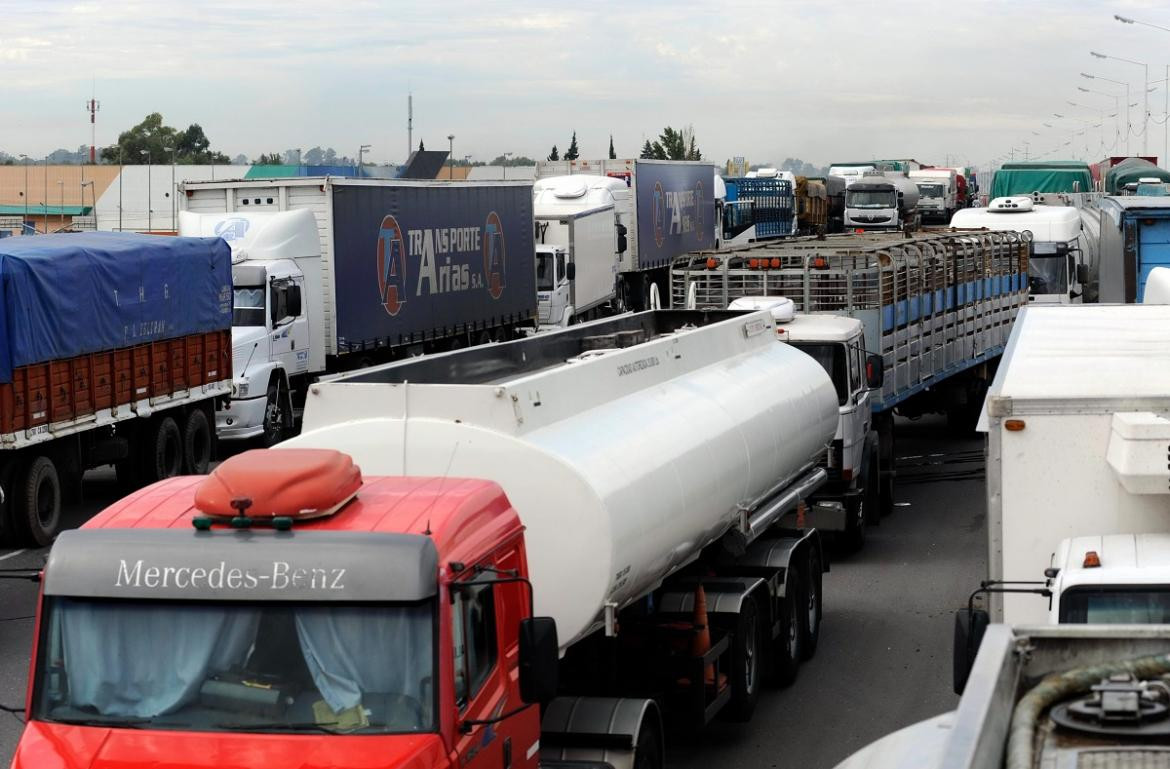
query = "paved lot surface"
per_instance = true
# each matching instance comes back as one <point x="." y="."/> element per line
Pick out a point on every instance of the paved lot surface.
<point x="884" y="656"/>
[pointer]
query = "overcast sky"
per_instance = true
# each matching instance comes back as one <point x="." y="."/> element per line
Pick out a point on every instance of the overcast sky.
<point x="822" y="81"/>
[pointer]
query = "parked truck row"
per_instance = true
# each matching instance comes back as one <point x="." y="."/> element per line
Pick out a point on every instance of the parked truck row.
<point x="570" y="542"/>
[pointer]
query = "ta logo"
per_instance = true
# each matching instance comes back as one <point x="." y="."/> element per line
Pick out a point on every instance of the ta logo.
<point x="493" y="255"/>
<point x="659" y="214"/>
<point x="701" y="230"/>
<point x="232" y="229"/>
<point x="391" y="266"/>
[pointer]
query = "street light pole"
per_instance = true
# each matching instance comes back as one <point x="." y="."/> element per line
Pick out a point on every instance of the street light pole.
<point x="1145" y="93"/>
<point x="361" y="152"/>
<point x="1165" y="92"/>
<point x="172" y="149"/>
<point x="45" y="197"/>
<point x="1128" y="129"/>
<point x="149" y="220"/>
<point x="450" y="156"/>
<point x="61" y="208"/>
<point x="24" y="224"/>
<point x="121" y="169"/>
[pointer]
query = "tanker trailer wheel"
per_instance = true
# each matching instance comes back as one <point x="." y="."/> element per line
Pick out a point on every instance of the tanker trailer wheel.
<point x="746" y="657"/>
<point x="855" y="520"/>
<point x="786" y="647"/>
<point x="648" y="752"/>
<point x="197" y="443"/>
<point x="164" y="457"/>
<point x="39" y="501"/>
<point x="810" y="618"/>
<point x="872" y="492"/>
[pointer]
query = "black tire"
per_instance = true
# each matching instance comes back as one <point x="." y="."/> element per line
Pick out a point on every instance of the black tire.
<point x="275" y="421"/>
<point x="39" y="502"/>
<point x="197" y="443"/>
<point x="810" y="624"/>
<point x="648" y="751"/>
<point x="9" y="534"/>
<point x="871" y="493"/>
<point x="164" y="457"/>
<point x="853" y="538"/>
<point x="887" y="493"/>
<point x="746" y="648"/>
<point x="786" y="647"/>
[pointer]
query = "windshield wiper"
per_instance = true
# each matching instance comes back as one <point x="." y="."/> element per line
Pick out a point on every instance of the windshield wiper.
<point x="116" y="723"/>
<point x="328" y="727"/>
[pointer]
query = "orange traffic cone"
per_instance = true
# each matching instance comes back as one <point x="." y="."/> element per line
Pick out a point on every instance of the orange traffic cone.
<point x="702" y="639"/>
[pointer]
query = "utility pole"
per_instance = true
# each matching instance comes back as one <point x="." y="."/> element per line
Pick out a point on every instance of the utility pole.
<point x="120" y="170"/>
<point x="361" y="152"/>
<point x="149" y="221"/>
<point x="409" y="124"/>
<point x="24" y="224"/>
<point x="61" y="207"/>
<point x="45" y="199"/>
<point x="173" y="149"/>
<point x="92" y="106"/>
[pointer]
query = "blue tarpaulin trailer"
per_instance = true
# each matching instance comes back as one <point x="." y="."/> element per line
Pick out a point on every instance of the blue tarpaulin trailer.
<point x="1135" y="238"/>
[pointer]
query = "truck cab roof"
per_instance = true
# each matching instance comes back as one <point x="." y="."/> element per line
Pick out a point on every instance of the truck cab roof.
<point x="819" y="328"/>
<point x="1048" y="224"/>
<point x="444" y="508"/>
<point x="1125" y="559"/>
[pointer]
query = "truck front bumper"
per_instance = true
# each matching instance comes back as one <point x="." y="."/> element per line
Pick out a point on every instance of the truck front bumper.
<point x="241" y="419"/>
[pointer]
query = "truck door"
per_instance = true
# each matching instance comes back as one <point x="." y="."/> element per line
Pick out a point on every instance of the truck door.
<point x="486" y="659"/>
<point x="290" y="326"/>
<point x="853" y="439"/>
<point x="1153" y="248"/>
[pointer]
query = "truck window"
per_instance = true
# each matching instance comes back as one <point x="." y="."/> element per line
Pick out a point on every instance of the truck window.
<point x="855" y="368"/>
<point x="281" y="310"/>
<point x="238" y="666"/>
<point x="831" y="356"/>
<point x="474" y="624"/>
<point x="1112" y="605"/>
<point x="545" y="272"/>
<point x="870" y="199"/>
<point x="248" y="306"/>
<point x="1047" y="270"/>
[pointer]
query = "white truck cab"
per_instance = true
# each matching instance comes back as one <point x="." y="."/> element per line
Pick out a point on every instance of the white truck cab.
<point x="1111" y="579"/>
<point x="579" y="239"/>
<point x="1058" y="268"/>
<point x="276" y="315"/>
<point x="837" y="342"/>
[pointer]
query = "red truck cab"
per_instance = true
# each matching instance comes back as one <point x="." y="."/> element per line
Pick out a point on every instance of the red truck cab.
<point x="285" y="612"/>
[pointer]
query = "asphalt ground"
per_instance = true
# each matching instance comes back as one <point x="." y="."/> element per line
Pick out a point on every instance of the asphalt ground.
<point x="884" y="659"/>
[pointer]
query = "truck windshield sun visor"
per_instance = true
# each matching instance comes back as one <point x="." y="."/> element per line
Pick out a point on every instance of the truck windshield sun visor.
<point x="172" y="564"/>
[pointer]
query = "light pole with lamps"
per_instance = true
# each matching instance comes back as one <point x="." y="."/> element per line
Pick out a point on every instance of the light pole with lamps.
<point x="1165" y="92"/>
<point x="1145" y="93"/>
<point x="1116" y="108"/>
<point x="1128" y="130"/>
<point x="61" y="207"/>
<point x="361" y="152"/>
<point x="92" y="197"/>
<point x="24" y="224"/>
<point x="450" y="156"/>
<point x="172" y="149"/>
<point x="149" y="221"/>
<point x="506" y="156"/>
<point x="1101" y="117"/>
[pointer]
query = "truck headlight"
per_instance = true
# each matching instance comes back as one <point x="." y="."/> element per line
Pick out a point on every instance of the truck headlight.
<point x="240" y="390"/>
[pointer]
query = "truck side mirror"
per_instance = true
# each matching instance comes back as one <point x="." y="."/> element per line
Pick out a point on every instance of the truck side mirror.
<point x="571" y="270"/>
<point x="970" y="625"/>
<point x="294" y="300"/>
<point x="622" y="245"/>
<point x="1082" y="274"/>
<point x="539" y="661"/>
<point x="875" y="373"/>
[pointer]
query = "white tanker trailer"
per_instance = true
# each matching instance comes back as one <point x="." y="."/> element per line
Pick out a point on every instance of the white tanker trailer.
<point x="645" y="454"/>
<point x="882" y="201"/>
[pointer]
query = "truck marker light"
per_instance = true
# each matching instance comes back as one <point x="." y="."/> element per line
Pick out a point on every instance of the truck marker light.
<point x="775" y="263"/>
<point x="1014" y="425"/>
<point x="1092" y="560"/>
<point x="753" y="263"/>
<point x="712" y="263"/>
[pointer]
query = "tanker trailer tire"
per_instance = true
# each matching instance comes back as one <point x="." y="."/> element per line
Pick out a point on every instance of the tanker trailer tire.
<point x="197" y="443"/>
<point x="39" y="502"/>
<point x="856" y="518"/>
<point x="810" y="618"/>
<point x="746" y="645"/>
<point x="648" y="752"/>
<point x="165" y="452"/>
<point x="786" y="647"/>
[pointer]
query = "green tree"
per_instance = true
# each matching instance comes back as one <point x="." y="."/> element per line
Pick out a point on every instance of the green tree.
<point x="647" y="151"/>
<point x="554" y="155"/>
<point x="155" y="142"/>
<point x="675" y="145"/>
<point x="612" y="154"/>
<point x="571" y="153"/>
<point x="269" y="159"/>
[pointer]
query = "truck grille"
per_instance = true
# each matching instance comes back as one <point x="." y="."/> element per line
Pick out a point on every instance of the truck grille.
<point x="1124" y="758"/>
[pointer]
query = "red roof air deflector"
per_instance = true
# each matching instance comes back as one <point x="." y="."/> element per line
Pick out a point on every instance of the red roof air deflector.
<point x="299" y="483"/>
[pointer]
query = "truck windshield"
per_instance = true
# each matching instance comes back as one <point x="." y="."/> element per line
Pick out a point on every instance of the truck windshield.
<point x="235" y="666"/>
<point x="869" y="198"/>
<point x="831" y="356"/>
<point x="248" y="306"/>
<point x="1111" y="605"/>
<point x="930" y="190"/>
<point x="1047" y="273"/>
<point x="546" y="272"/>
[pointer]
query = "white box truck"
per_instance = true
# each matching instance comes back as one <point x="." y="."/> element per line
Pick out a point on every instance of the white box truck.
<point x="938" y="191"/>
<point x="1078" y="429"/>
